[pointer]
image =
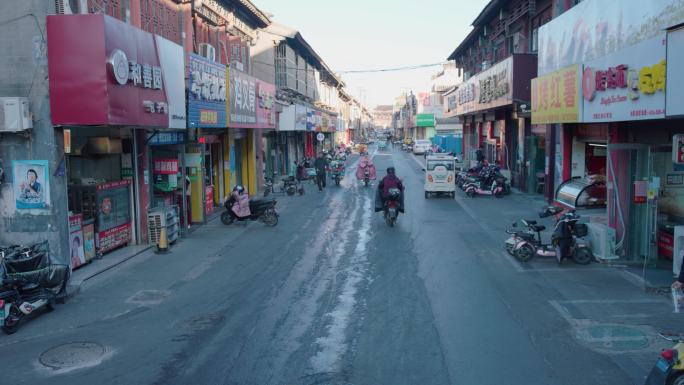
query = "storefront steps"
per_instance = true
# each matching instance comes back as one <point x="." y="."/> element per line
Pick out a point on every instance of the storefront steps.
<point x="213" y="229"/>
<point x="118" y="257"/>
<point x="99" y="266"/>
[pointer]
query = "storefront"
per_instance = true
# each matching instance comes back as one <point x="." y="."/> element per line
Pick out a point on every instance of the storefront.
<point x="108" y="93"/>
<point x="204" y="158"/>
<point x="425" y="126"/>
<point x="251" y="106"/>
<point x="488" y="104"/>
<point x="622" y="137"/>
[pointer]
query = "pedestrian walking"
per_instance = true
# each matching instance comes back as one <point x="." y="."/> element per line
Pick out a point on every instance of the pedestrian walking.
<point x="321" y="165"/>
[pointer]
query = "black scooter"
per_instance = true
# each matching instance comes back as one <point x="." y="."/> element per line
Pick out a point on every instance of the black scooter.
<point x="392" y="206"/>
<point x="30" y="281"/>
<point x="260" y="209"/>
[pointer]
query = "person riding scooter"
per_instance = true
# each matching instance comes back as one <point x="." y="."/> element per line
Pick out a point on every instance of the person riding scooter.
<point x="241" y="207"/>
<point x="390" y="181"/>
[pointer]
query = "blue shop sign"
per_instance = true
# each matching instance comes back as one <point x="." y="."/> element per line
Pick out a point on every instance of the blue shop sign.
<point x="206" y="93"/>
<point x="166" y="138"/>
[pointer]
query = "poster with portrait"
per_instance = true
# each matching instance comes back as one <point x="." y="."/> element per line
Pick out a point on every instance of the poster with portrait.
<point x="77" y="254"/>
<point x="31" y="184"/>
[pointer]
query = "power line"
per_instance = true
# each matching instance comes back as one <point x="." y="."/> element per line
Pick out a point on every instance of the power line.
<point x="405" y="68"/>
<point x="394" y="69"/>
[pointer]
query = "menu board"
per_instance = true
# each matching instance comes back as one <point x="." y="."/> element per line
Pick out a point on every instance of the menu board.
<point x="113" y="215"/>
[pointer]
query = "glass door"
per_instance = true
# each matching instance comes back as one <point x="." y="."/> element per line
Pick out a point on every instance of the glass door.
<point x="633" y="207"/>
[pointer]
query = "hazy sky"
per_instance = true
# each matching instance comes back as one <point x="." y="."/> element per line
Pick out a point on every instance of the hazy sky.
<point x="370" y="34"/>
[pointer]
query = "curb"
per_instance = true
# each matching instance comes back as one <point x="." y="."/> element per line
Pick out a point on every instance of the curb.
<point x="74" y="287"/>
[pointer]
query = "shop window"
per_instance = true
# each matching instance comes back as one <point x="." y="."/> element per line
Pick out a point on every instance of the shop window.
<point x="535" y="40"/>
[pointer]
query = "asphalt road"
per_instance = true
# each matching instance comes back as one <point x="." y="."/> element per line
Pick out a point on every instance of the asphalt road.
<point x="332" y="295"/>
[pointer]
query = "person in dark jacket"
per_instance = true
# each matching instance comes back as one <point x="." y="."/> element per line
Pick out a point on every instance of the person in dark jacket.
<point x="321" y="165"/>
<point x="479" y="155"/>
<point x="388" y="182"/>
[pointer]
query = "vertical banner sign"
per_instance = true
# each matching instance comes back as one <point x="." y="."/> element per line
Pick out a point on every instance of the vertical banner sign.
<point x="206" y="93"/>
<point x="242" y="95"/>
<point x="67" y="141"/>
<point x="678" y="149"/>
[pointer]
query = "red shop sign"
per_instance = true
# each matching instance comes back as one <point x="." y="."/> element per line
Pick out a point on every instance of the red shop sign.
<point x="104" y="71"/>
<point x="166" y="166"/>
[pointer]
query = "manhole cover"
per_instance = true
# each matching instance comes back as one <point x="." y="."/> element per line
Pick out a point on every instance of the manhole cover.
<point x="73" y="355"/>
<point x="616" y="338"/>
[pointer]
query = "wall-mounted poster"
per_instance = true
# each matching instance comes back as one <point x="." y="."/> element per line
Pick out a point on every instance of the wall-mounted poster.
<point x="31" y="184"/>
<point x="76" y="240"/>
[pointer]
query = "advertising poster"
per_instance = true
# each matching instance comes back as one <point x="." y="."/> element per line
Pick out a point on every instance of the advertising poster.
<point x="31" y="184"/>
<point x="114" y="218"/>
<point x="301" y="118"/>
<point x="77" y="254"/>
<point x="89" y="241"/>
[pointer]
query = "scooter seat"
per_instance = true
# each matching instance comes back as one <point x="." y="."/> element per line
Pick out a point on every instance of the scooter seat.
<point x="538" y="228"/>
<point x="530" y="221"/>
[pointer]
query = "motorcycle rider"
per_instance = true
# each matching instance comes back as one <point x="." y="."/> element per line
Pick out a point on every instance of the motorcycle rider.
<point x="241" y="206"/>
<point x="388" y="182"/>
<point x="321" y="165"/>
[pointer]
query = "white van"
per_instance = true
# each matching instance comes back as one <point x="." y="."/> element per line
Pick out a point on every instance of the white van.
<point x="440" y="175"/>
<point x="421" y="146"/>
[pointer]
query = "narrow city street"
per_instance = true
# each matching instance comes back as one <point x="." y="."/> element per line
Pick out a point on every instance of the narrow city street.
<point x="332" y="295"/>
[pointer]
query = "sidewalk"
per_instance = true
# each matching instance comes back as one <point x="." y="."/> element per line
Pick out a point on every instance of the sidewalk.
<point x="120" y="256"/>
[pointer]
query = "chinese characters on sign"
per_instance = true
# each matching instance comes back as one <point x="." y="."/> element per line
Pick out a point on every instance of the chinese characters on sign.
<point x="488" y="89"/>
<point x="493" y="87"/>
<point x="626" y="85"/>
<point x="207" y="93"/>
<point x="166" y="166"/>
<point x="242" y="98"/>
<point x="555" y="97"/>
<point x="466" y="93"/>
<point x="140" y="75"/>
<point x="207" y="82"/>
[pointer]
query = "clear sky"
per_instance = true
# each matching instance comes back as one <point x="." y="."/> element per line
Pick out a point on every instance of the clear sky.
<point x="370" y="34"/>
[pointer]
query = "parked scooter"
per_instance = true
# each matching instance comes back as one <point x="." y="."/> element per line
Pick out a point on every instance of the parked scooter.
<point x="260" y="209"/>
<point x="669" y="368"/>
<point x="517" y="235"/>
<point x="392" y="206"/>
<point x="564" y="241"/>
<point x="289" y="185"/>
<point x="483" y="186"/>
<point x="31" y="280"/>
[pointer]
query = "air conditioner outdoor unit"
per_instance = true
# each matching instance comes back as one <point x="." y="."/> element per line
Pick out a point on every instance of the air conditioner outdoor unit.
<point x="14" y="114"/>
<point x="69" y="7"/>
<point x="163" y="217"/>
<point x="602" y="241"/>
<point x="207" y="51"/>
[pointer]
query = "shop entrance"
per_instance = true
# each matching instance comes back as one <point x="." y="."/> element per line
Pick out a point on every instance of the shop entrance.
<point x="100" y="170"/>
